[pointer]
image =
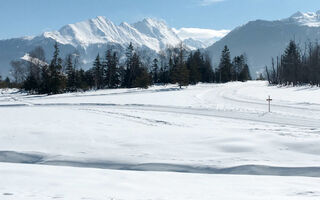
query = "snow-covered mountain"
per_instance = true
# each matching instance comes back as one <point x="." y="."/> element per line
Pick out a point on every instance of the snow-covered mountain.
<point x="195" y="44"/>
<point x="311" y="19"/>
<point x="151" y="33"/>
<point x="261" y="40"/>
<point x="93" y="36"/>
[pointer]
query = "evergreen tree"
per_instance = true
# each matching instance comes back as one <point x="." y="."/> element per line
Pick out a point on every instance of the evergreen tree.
<point x="291" y="63"/>
<point x="225" y="66"/>
<point x="134" y="69"/>
<point x="134" y="74"/>
<point x="7" y="82"/>
<point x="98" y="73"/>
<point x="155" y="71"/>
<point x="180" y="73"/>
<point x="112" y="74"/>
<point x="80" y="80"/>
<point x="171" y="70"/>
<point x="122" y="75"/>
<point x="200" y="69"/>
<point x="55" y="58"/>
<point x="194" y="63"/>
<point x="245" y="74"/>
<point x="237" y="66"/>
<point x="130" y="68"/>
<point x="90" y="78"/>
<point x="143" y="79"/>
<point x="31" y="84"/>
<point x="207" y="74"/>
<point x="45" y="83"/>
<point x="71" y="75"/>
<point x="240" y="69"/>
<point x="164" y="75"/>
<point x="56" y="79"/>
<point x="133" y="66"/>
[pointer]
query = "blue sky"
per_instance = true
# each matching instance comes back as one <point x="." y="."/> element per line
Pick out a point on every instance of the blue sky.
<point x="32" y="17"/>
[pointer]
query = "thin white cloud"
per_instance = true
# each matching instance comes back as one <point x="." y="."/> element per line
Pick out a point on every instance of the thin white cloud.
<point x="209" y="2"/>
<point x="203" y="35"/>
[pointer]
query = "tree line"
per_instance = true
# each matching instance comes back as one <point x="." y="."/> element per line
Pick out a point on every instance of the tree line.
<point x="6" y="83"/>
<point x="174" y="65"/>
<point x="296" y="67"/>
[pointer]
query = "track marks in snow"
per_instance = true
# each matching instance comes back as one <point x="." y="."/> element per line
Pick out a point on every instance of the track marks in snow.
<point x="134" y="118"/>
<point x="271" y="118"/>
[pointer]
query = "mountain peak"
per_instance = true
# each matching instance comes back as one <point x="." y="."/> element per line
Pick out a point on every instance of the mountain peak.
<point x="101" y="18"/>
<point x="154" y="21"/>
<point x="297" y="14"/>
<point x="157" y="29"/>
<point x="311" y="19"/>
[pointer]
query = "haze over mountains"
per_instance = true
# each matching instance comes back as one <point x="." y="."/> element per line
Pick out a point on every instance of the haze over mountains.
<point x="260" y="40"/>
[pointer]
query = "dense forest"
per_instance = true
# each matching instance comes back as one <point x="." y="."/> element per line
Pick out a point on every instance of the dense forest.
<point x="175" y="66"/>
<point x="296" y="67"/>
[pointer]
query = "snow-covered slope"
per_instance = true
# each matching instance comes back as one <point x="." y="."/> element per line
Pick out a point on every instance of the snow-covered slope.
<point x="195" y="44"/>
<point x="134" y="127"/>
<point x="121" y="137"/>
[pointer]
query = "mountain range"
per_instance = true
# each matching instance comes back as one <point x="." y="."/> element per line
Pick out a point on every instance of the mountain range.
<point x="93" y="36"/>
<point x="260" y="40"/>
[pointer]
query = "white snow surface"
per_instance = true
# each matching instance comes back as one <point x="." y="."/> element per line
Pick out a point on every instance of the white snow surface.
<point x="221" y="134"/>
<point x="35" y="182"/>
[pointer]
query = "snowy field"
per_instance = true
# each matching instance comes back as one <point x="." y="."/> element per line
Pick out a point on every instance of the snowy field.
<point x="209" y="141"/>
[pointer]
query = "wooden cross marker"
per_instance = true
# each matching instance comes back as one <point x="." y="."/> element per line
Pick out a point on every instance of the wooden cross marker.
<point x="269" y="101"/>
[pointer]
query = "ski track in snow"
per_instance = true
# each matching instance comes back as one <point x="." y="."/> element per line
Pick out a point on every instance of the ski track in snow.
<point x="272" y="118"/>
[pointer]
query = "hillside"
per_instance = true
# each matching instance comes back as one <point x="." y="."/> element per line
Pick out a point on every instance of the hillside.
<point x="261" y="40"/>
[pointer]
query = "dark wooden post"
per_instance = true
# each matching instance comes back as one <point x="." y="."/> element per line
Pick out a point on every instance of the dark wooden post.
<point x="269" y="102"/>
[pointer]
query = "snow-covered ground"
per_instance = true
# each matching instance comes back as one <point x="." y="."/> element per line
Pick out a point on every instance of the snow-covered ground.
<point x="134" y="143"/>
<point x="33" y="182"/>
